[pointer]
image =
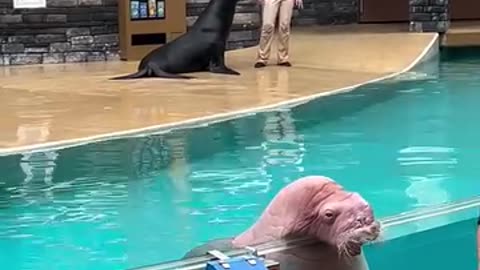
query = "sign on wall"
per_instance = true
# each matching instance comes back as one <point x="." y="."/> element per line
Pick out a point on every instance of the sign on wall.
<point x="29" y="3"/>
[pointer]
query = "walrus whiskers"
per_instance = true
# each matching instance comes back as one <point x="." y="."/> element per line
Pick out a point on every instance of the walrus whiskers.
<point x="315" y="207"/>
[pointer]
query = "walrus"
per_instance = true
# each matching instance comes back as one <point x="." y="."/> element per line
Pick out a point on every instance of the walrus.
<point x="202" y="48"/>
<point x="314" y="207"/>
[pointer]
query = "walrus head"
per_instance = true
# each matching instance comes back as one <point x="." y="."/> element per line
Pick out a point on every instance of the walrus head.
<point x="319" y="208"/>
<point x="337" y="217"/>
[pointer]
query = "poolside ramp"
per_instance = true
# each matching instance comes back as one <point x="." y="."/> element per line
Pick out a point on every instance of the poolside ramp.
<point x="65" y="104"/>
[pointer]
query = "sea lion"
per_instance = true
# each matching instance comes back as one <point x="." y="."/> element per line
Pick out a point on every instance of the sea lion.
<point x="202" y="48"/>
<point x="314" y="207"/>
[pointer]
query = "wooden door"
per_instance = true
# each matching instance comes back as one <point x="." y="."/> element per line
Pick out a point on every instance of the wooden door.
<point x="376" y="11"/>
<point x="464" y="9"/>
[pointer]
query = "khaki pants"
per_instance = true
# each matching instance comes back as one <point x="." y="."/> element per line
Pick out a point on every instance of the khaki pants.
<point x="272" y="8"/>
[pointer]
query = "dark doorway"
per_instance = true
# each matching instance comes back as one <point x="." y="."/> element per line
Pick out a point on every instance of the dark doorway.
<point x="377" y="11"/>
<point x="464" y="9"/>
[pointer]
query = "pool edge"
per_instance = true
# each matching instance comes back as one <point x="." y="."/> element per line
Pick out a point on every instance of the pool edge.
<point x="456" y="208"/>
<point x="429" y="52"/>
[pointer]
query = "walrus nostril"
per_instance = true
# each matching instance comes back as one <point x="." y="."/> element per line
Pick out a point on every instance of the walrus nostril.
<point x="369" y="220"/>
<point x="374" y="230"/>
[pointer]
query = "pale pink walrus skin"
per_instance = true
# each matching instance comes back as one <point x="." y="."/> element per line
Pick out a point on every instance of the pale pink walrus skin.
<point x="315" y="207"/>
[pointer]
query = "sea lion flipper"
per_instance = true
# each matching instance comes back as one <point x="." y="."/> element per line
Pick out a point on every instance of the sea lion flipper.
<point x="217" y="62"/>
<point x="158" y="72"/>
<point x="217" y="65"/>
<point x="223" y="70"/>
<point x="139" y="74"/>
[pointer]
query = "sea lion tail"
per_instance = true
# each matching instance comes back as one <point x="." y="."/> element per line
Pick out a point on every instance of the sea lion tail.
<point x="158" y="72"/>
<point x="152" y="69"/>
<point x="139" y="74"/>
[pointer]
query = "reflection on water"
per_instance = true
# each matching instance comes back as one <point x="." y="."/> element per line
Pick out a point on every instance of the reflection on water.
<point x="426" y="186"/>
<point x="283" y="148"/>
<point x="101" y="203"/>
<point x="35" y="164"/>
<point x="138" y="201"/>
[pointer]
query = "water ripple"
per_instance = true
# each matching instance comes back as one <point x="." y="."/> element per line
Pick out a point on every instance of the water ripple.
<point x="131" y="202"/>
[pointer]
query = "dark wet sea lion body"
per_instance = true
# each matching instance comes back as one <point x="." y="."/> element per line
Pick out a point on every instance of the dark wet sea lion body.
<point x="202" y="48"/>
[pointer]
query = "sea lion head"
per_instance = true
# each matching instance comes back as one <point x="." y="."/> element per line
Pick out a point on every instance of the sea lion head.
<point x="335" y="216"/>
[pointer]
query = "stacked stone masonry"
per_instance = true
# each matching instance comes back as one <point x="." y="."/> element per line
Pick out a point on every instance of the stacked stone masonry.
<point x="322" y="12"/>
<point x="429" y="15"/>
<point x="65" y="31"/>
<point x="87" y="30"/>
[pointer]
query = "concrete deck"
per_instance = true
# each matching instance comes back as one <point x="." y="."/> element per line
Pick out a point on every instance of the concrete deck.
<point x="51" y="105"/>
<point x="462" y="34"/>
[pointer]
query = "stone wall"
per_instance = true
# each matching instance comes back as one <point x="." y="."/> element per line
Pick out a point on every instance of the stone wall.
<point x="65" y="31"/>
<point x="324" y="12"/>
<point x="429" y="16"/>
<point x="246" y="25"/>
<point x="87" y="30"/>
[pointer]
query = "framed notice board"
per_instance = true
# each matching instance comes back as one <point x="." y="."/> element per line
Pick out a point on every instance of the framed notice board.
<point x="147" y="24"/>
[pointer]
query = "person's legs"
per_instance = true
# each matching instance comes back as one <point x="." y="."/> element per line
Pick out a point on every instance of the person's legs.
<point x="270" y="11"/>
<point x="285" y="18"/>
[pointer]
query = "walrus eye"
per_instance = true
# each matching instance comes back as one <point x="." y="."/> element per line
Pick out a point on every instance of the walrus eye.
<point x="329" y="214"/>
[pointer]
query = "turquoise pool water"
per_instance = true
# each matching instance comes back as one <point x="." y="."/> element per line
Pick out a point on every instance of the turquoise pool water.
<point x="449" y="247"/>
<point x="131" y="202"/>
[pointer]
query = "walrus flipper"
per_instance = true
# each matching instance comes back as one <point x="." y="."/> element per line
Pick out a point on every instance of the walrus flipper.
<point x="222" y="244"/>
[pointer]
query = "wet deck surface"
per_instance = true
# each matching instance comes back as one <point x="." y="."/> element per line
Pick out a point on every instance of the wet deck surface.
<point x="54" y="103"/>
